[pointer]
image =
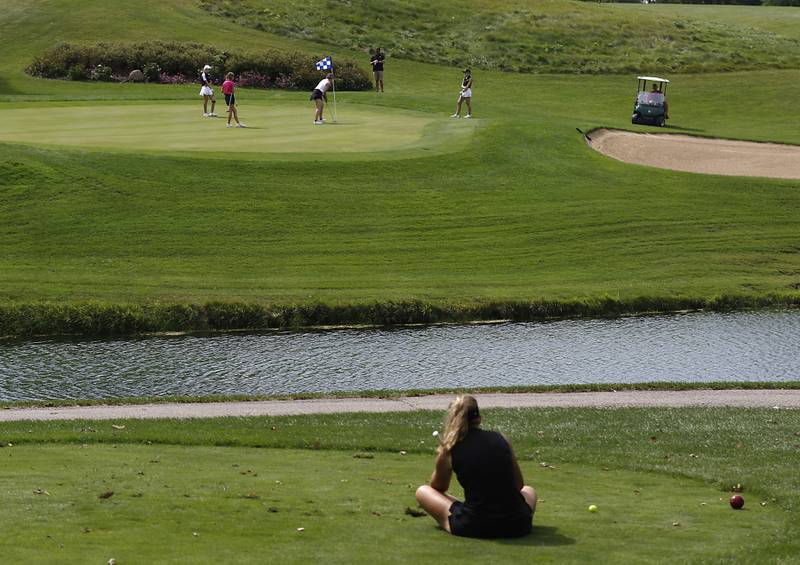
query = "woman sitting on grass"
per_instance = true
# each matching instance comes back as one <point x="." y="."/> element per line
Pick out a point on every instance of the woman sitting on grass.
<point x="496" y="503"/>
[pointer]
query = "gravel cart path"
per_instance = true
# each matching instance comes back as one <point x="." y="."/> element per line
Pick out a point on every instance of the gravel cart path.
<point x="743" y="398"/>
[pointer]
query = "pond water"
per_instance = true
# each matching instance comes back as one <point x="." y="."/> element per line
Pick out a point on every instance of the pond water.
<point x="696" y="347"/>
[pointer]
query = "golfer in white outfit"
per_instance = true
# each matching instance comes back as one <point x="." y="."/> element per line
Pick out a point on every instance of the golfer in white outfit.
<point x="465" y="95"/>
<point x="207" y="93"/>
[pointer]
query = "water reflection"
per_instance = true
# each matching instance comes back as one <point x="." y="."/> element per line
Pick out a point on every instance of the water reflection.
<point x="697" y="347"/>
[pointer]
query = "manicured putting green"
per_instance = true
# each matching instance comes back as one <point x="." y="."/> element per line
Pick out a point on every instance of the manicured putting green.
<point x="162" y="503"/>
<point x="282" y="129"/>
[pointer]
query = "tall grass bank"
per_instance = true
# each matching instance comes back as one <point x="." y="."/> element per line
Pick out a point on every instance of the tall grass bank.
<point x="102" y="319"/>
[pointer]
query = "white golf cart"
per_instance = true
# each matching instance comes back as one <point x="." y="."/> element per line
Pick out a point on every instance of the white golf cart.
<point x="650" y="106"/>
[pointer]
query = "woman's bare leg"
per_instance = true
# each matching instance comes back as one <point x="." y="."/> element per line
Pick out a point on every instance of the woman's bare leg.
<point x="205" y="104"/>
<point x="320" y="105"/>
<point x="469" y="105"/>
<point x="530" y="496"/>
<point x="436" y="504"/>
<point x="458" y="106"/>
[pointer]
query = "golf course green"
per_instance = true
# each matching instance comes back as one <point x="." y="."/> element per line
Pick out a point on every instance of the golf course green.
<point x="283" y="129"/>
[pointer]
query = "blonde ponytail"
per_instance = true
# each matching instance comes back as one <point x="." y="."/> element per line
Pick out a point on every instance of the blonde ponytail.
<point x="460" y="415"/>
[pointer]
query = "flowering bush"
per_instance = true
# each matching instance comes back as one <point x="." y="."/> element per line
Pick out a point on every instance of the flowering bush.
<point x="77" y="72"/>
<point x="101" y="72"/>
<point x="173" y="62"/>
<point x="285" y="81"/>
<point x="165" y="78"/>
<point x="255" y="79"/>
<point x="152" y="72"/>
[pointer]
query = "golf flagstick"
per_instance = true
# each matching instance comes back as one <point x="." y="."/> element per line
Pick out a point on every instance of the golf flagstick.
<point x="333" y="83"/>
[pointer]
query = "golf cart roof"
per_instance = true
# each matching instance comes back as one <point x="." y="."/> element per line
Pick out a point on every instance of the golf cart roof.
<point x="653" y="79"/>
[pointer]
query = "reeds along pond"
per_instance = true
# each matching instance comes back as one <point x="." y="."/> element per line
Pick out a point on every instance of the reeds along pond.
<point x="108" y="319"/>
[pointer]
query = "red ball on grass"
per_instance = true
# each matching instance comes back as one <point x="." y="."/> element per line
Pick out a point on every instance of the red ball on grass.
<point x="737" y="502"/>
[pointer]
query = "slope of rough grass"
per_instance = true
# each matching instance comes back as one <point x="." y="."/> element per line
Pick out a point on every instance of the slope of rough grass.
<point x="552" y="36"/>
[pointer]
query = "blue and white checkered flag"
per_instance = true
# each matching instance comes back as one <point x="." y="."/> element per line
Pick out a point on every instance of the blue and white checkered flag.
<point x="325" y="64"/>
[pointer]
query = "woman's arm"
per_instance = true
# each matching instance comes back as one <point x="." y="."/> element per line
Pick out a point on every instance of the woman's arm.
<point x="518" y="480"/>
<point x="442" y="473"/>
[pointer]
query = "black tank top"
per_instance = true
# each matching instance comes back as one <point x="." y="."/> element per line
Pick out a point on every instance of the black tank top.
<point x="483" y="465"/>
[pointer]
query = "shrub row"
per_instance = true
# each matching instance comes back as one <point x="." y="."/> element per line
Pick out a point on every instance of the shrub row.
<point x="174" y="62"/>
<point x="98" y="319"/>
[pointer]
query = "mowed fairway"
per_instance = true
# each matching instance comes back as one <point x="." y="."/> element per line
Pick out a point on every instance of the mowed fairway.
<point x="236" y="490"/>
<point x="284" y="128"/>
<point x="156" y="504"/>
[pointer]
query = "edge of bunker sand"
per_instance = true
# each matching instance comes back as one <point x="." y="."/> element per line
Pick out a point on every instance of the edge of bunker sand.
<point x="698" y="154"/>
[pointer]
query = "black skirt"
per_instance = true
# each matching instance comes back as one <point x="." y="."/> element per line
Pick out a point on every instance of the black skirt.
<point x="317" y="94"/>
<point x="465" y="522"/>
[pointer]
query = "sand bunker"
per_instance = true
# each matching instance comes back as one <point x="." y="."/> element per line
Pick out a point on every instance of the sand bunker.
<point x="700" y="155"/>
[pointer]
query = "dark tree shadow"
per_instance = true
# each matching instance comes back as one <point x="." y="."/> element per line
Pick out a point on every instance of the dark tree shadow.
<point x="5" y="88"/>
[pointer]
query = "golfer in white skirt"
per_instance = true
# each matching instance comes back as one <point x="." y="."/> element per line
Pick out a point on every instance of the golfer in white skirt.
<point x="465" y="95"/>
<point x="207" y="93"/>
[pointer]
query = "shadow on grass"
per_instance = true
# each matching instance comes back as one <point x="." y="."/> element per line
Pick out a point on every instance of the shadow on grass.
<point x="5" y="88"/>
<point x="541" y="536"/>
<point x="679" y="128"/>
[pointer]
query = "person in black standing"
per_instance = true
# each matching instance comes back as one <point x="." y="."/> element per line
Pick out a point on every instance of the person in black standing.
<point x="497" y="503"/>
<point x="377" y="68"/>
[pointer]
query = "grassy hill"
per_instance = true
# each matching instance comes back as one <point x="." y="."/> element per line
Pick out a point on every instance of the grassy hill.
<point x="519" y="212"/>
<point x="547" y="36"/>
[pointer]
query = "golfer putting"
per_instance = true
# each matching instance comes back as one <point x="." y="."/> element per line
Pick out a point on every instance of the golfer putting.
<point x="497" y="504"/>
<point x="319" y="96"/>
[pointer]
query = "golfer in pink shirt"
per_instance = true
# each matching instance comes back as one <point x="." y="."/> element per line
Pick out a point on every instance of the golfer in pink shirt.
<point x="230" y="100"/>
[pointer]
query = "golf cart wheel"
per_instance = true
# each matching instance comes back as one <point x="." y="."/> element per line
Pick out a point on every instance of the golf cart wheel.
<point x="635" y="119"/>
<point x="661" y="122"/>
